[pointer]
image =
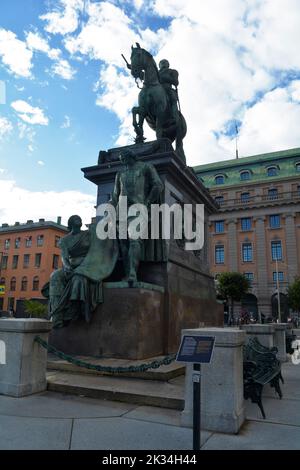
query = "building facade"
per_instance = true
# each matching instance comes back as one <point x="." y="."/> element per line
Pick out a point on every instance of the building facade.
<point x="257" y="229"/>
<point x="28" y="253"/>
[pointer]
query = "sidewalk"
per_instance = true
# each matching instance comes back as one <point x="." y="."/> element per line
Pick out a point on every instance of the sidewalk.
<point x="57" y="421"/>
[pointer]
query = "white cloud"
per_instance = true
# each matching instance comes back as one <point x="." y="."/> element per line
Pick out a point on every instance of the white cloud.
<point x="61" y="66"/>
<point x="40" y="162"/>
<point x="20" y="204"/>
<point x="106" y="34"/>
<point x="271" y="124"/>
<point x="2" y="171"/>
<point x="15" y="54"/>
<point x="63" y="69"/>
<point x="30" y="114"/>
<point x="67" y="123"/>
<point x="36" y="42"/>
<point x="64" y="19"/>
<point x="5" y="128"/>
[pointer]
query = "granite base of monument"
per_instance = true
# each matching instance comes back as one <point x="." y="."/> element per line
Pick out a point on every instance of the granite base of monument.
<point x="131" y="324"/>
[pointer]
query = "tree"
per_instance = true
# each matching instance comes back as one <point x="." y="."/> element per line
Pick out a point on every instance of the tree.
<point x="293" y="293"/>
<point x="35" y="309"/>
<point x="232" y="286"/>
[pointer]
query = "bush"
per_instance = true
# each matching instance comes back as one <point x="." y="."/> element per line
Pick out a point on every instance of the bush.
<point x="35" y="309"/>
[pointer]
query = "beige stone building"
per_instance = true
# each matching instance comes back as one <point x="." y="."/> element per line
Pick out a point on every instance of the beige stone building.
<point x="257" y="229"/>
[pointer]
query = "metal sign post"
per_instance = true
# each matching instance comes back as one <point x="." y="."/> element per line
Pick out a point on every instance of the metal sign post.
<point x="197" y="350"/>
<point x="196" y="406"/>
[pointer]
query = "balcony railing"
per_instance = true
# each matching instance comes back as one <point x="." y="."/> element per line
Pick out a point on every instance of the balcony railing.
<point x="265" y="199"/>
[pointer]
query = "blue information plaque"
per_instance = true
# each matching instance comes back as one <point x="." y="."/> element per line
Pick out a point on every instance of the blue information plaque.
<point x="196" y="349"/>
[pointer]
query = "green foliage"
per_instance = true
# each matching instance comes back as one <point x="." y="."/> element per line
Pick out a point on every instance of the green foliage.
<point x="232" y="286"/>
<point x="294" y="295"/>
<point x="35" y="309"/>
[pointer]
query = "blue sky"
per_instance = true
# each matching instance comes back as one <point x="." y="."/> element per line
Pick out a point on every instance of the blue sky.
<point x="68" y="94"/>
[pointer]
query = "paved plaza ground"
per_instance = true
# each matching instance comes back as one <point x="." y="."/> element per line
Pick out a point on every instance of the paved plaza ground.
<point x="58" y="421"/>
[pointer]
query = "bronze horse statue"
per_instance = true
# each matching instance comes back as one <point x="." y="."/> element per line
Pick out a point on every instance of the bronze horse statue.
<point x="154" y="102"/>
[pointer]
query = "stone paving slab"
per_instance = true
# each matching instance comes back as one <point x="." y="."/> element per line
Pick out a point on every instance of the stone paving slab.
<point x="257" y="436"/>
<point x="34" y="433"/>
<point x="58" y="405"/>
<point x="277" y="411"/>
<point x="122" y="433"/>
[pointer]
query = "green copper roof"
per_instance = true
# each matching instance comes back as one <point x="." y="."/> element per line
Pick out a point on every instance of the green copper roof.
<point x="285" y="160"/>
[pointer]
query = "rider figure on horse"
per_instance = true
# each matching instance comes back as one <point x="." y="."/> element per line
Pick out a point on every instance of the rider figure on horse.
<point x="167" y="78"/>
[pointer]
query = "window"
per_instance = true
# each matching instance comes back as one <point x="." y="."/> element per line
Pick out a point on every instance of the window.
<point x="7" y="244"/>
<point x="219" y="226"/>
<point x="38" y="260"/>
<point x="274" y="221"/>
<point x="246" y="223"/>
<point x="298" y="190"/>
<point x="245" y="175"/>
<point x="40" y="240"/>
<point x="219" y="254"/>
<point x="4" y="262"/>
<point x="24" y="283"/>
<point x="280" y="276"/>
<point x="26" y="261"/>
<point x="13" y="283"/>
<point x="28" y="242"/>
<point x="249" y="276"/>
<point x="219" y="179"/>
<point x="297" y="167"/>
<point x="245" y="197"/>
<point x="219" y="200"/>
<point x="272" y="171"/>
<point x="2" y="281"/>
<point x="15" y="261"/>
<point x="57" y="240"/>
<point x="17" y="242"/>
<point x="247" y="252"/>
<point x="55" y="261"/>
<point x="35" y="284"/>
<point x="273" y="193"/>
<point x="276" y="249"/>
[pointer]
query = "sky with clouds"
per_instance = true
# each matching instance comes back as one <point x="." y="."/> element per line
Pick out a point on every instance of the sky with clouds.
<point x="65" y="92"/>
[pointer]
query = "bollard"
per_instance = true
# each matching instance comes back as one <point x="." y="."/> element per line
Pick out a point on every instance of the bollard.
<point x="22" y="361"/>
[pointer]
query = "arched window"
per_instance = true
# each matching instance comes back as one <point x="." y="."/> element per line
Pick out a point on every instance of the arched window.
<point x="2" y="281"/>
<point x="272" y="171"/>
<point x="297" y="166"/>
<point x="24" y="283"/>
<point x="13" y="283"/>
<point x="36" y="282"/>
<point x="219" y="179"/>
<point x="245" y="175"/>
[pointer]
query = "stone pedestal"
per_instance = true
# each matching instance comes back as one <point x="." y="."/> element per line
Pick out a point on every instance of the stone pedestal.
<point x="128" y="325"/>
<point x="264" y="333"/>
<point x="222" y="400"/>
<point x="280" y="340"/>
<point x="23" y="361"/>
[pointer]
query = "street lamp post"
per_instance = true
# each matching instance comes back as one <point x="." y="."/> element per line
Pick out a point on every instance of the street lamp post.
<point x="278" y="292"/>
